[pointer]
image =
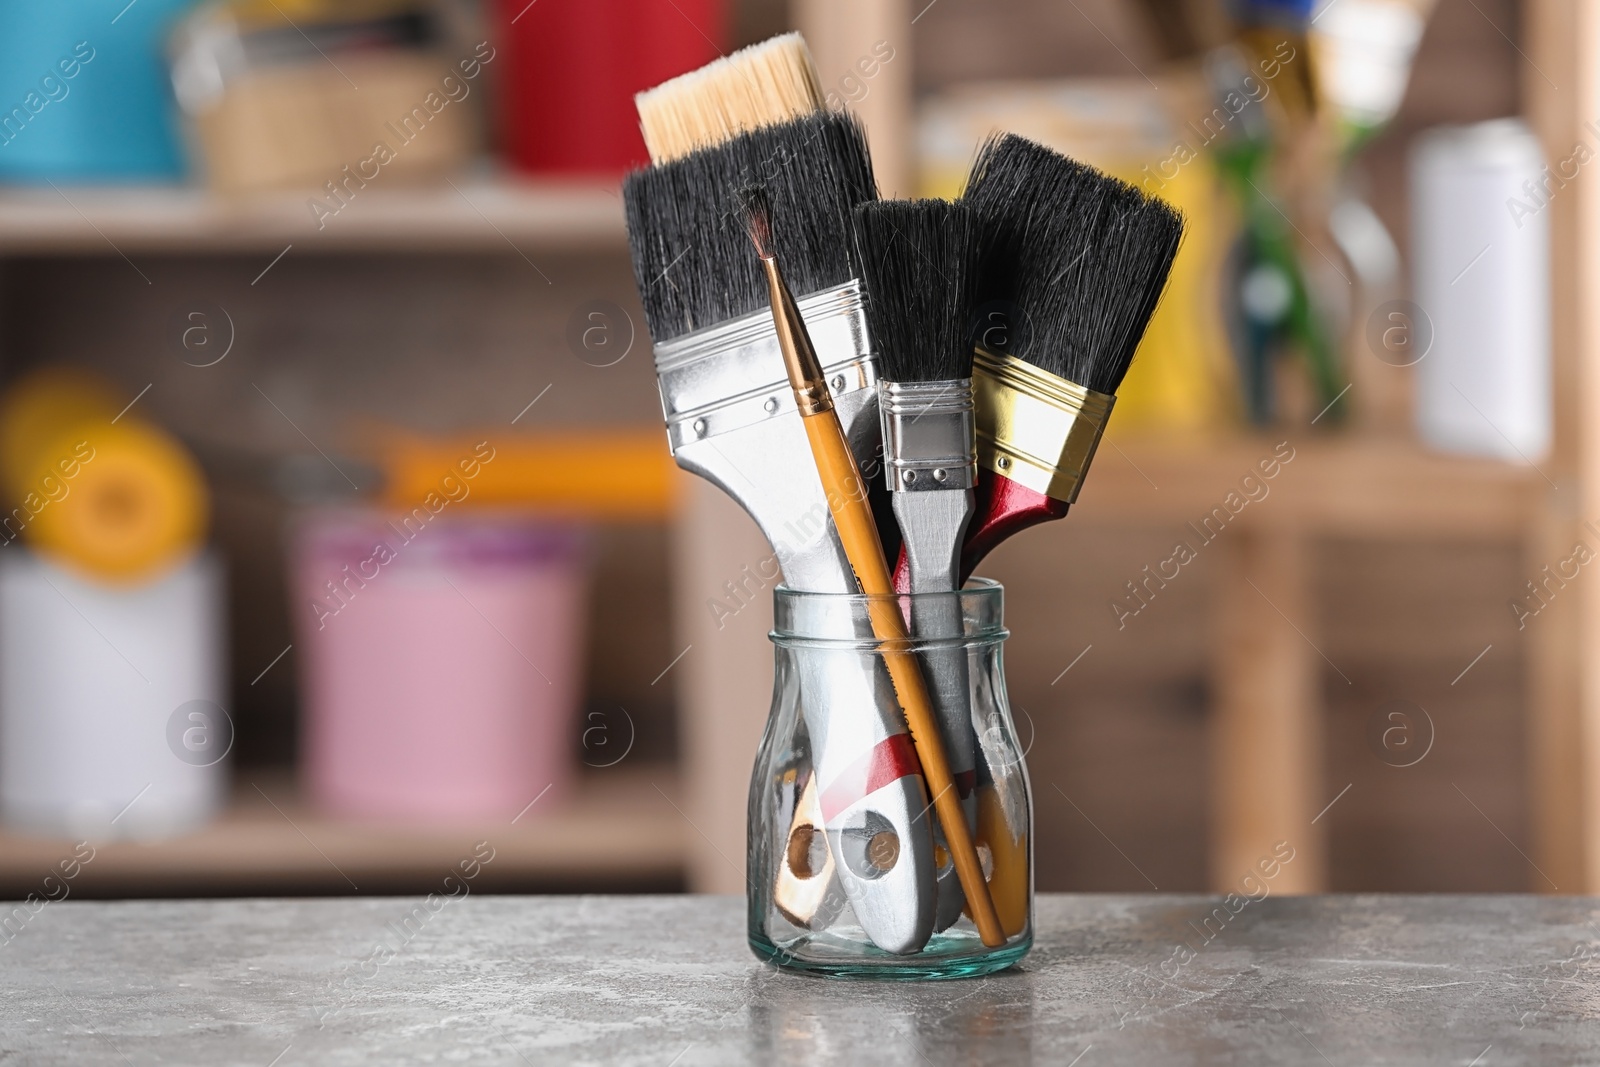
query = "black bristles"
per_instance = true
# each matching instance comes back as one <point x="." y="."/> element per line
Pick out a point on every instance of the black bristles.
<point x="918" y="267"/>
<point x="691" y="249"/>
<point x="1027" y="197"/>
<point x="1077" y="259"/>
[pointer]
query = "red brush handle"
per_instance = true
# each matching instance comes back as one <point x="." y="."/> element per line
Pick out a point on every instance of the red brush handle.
<point x="1004" y="508"/>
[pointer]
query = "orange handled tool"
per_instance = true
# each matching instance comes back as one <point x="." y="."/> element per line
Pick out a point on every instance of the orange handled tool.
<point x="847" y="502"/>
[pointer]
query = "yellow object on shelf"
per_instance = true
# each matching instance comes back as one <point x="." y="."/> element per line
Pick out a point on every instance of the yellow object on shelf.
<point x="1182" y="375"/>
<point x="588" y="474"/>
<point x="136" y="506"/>
<point x="101" y="491"/>
<point x="40" y="408"/>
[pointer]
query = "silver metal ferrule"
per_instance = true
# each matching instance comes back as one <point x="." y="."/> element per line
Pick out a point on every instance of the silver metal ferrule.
<point x="732" y="419"/>
<point x="732" y="375"/>
<point x="929" y="435"/>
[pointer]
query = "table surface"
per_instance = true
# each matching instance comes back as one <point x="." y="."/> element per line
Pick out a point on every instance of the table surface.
<point x="668" y="981"/>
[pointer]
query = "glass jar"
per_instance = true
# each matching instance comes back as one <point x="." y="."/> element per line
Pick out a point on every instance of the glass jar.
<point x="849" y="874"/>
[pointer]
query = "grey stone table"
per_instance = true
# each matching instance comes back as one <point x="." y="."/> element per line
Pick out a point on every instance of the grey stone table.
<point x="667" y="981"/>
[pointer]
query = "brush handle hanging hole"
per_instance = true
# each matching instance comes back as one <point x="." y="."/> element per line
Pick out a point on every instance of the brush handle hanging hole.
<point x="883" y="851"/>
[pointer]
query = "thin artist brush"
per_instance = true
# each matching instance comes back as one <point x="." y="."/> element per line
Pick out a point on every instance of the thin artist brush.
<point x="848" y="505"/>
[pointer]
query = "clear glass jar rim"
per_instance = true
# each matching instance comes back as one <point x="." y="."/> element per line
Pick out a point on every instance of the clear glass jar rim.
<point x="842" y="619"/>
<point x="985" y="591"/>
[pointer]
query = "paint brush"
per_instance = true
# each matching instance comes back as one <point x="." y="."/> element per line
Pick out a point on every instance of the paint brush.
<point x="918" y="268"/>
<point x="1079" y="261"/>
<point x="852" y="516"/>
<point x="732" y="419"/>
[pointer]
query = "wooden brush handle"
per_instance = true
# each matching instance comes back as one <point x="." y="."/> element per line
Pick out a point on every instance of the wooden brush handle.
<point x="847" y="501"/>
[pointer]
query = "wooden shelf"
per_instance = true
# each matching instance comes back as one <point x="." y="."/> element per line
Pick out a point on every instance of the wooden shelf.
<point x="617" y="830"/>
<point x="473" y="214"/>
<point x="1351" y="484"/>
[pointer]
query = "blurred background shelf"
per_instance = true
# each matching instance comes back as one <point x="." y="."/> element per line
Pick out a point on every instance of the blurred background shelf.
<point x="1372" y="570"/>
<point x="1361" y="486"/>
<point x="471" y="214"/>
<point x="619" y="829"/>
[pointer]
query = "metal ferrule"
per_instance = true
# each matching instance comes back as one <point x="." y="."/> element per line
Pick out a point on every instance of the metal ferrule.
<point x="732" y="375"/>
<point x="1035" y="428"/>
<point x="929" y="435"/>
<point x="794" y="341"/>
<point x="732" y="419"/>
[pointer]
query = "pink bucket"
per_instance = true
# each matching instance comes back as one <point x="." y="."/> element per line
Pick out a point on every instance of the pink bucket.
<point x="440" y="663"/>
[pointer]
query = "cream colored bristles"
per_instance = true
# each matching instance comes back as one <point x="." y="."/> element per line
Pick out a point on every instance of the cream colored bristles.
<point x="762" y="85"/>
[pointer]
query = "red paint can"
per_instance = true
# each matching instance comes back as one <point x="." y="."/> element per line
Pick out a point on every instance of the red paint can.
<point x="572" y="67"/>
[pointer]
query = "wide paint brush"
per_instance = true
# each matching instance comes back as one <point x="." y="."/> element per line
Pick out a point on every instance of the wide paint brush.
<point x="918" y="265"/>
<point x="1078" y="261"/>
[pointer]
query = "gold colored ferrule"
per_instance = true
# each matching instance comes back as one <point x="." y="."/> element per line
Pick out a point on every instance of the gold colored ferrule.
<point x="794" y="341"/>
<point x="1035" y="428"/>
